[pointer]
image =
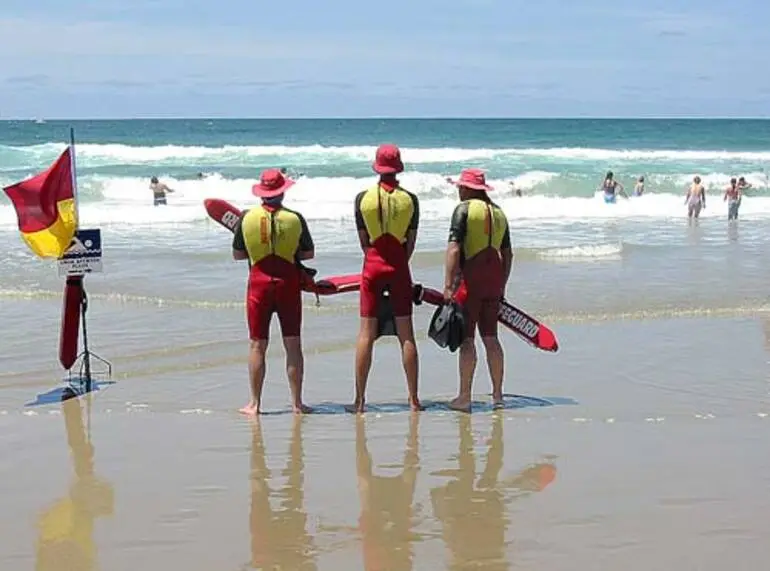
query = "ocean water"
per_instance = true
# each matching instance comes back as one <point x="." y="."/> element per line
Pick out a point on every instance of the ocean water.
<point x="557" y="163"/>
<point x="175" y="251"/>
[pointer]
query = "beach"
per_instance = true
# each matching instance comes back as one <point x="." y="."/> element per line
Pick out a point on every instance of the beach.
<point x="638" y="445"/>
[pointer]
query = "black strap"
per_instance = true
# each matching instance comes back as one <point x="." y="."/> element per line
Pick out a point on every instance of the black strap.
<point x="272" y="238"/>
<point x="272" y="231"/>
<point x="491" y="224"/>
<point x="379" y="209"/>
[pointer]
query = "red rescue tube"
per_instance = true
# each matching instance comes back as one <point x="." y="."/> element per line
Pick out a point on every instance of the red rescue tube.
<point x="432" y="296"/>
<point x="70" y="322"/>
<point x="338" y="284"/>
<point x="525" y="326"/>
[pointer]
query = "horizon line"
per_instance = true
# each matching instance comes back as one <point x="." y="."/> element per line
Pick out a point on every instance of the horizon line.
<point x="402" y="118"/>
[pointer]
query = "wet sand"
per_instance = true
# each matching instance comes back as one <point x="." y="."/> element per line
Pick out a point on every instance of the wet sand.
<point x="659" y="462"/>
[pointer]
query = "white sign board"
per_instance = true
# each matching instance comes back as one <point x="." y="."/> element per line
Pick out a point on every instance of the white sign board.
<point x="84" y="255"/>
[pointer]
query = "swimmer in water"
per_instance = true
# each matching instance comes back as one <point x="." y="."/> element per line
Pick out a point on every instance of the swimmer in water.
<point x="733" y="197"/>
<point x="159" y="191"/>
<point x="516" y="191"/>
<point x="695" y="198"/>
<point x="292" y="173"/>
<point x="639" y="188"/>
<point x="610" y="188"/>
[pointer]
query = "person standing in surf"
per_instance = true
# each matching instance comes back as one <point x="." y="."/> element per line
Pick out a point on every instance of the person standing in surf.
<point x="639" y="187"/>
<point x="695" y="198"/>
<point x="733" y="197"/>
<point x="478" y="264"/>
<point x="743" y="184"/>
<point x="387" y="218"/>
<point x="159" y="191"/>
<point x="610" y="188"/>
<point x="273" y="238"/>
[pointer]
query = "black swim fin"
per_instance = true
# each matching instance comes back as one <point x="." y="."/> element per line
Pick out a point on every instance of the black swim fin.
<point x="386" y="323"/>
<point x="457" y="330"/>
<point x="447" y="327"/>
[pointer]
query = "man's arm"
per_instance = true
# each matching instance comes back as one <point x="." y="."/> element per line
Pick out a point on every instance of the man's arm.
<point x="306" y="249"/>
<point x="363" y="234"/>
<point x="451" y="268"/>
<point x="457" y="229"/>
<point x="414" y="223"/>
<point x="239" y="244"/>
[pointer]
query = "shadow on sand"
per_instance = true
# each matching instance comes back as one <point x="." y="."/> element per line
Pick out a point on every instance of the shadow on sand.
<point x="68" y="391"/>
<point x="510" y="402"/>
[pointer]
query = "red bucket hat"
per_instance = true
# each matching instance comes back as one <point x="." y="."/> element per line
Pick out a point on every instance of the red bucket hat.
<point x="473" y="178"/>
<point x="388" y="160"/>
<point x="271" y="183"/>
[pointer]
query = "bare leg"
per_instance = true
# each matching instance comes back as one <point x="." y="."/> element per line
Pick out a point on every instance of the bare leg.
<point x="496" y="364"/>
<point x="295" y="371"/>
<point x="409" y="359"/>
<point x="257" y="350"/>
<point x="364" y="349"/>
<point x="467" y="365"/>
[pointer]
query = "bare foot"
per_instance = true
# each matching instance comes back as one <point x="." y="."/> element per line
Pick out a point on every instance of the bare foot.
<point x="251" y="409"/>
<point x="355" y="408"/>
<point x="460" y="404"/>
<point x="416" y="406"/>
<point x="302" y="409"/>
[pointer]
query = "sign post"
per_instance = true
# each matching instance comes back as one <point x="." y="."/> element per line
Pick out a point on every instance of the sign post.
<point x="84" y="255"/>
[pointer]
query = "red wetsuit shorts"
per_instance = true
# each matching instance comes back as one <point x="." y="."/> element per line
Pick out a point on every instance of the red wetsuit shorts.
<point x="378" y="275"/>
<point x="267" y="294"/>
<point x="480" y="292"/>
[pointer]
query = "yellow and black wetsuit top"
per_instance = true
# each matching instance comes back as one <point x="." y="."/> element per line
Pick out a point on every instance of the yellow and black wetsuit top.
<point x="387" y="213"/>
<point x="272" y="237"/>
<point x="480" y="227"/>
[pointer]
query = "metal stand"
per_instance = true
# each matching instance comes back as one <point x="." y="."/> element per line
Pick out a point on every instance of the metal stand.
<point x="82" y="383"/>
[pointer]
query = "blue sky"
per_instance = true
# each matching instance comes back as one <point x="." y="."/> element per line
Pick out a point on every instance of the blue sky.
<point x="304" y="58"/>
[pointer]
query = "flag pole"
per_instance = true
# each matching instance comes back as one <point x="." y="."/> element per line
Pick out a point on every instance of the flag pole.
<point x="76" y="309"/>
<point x="80" y="278"/>
<point x="73" y="170"/>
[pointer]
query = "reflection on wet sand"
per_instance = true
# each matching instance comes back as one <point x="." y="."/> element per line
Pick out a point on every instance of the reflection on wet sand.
<point x="386" y="518"/>
<point x="473" y="514"/>
<point x="65" y="530"/>
<point x="279" y="538"/>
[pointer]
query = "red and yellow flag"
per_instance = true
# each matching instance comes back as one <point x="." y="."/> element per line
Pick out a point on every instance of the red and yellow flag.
<point x="45" y="207"/>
